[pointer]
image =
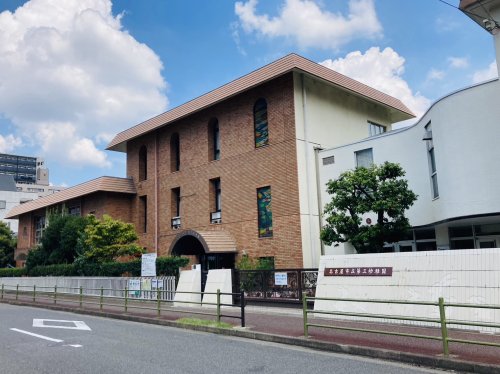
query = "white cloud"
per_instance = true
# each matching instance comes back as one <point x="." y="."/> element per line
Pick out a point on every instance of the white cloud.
<point x="458" y="62"/>
<point x="483" y="75"/>
<point x="435" y="75"/>
<point x="9" y="143"/>
<point x="382" y="70"/>
<point x="309" y="25"/>
<point x="71" y="77"/>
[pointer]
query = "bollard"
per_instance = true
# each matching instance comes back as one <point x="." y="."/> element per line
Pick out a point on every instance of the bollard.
<point x="2" y="290"/>
<point x="81" y="296"/>
<point x="444" y="329"/>
<point x="218" y="305"/>
<point x="55" y="294"/>
<point x="126" y="299"/>
<point x="304" y="312"/>
<point x="100" y="299"/>
<point x="158" y="301"/>
<point x="242" y="305"/>
<point x="17" y="291"/>
<point x="34" y="292"/>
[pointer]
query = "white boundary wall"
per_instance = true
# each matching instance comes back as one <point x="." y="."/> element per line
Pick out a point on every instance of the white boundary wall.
<point x="459" y="276"/>
<point x="219" y="279"/>
<point x="90" y="285"/>
<point x="189" y="281"/>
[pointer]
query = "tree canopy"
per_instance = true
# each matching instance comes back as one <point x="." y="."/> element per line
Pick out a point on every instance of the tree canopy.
<point x="107" y="239"/>
<point x="7" y="246"/>
<point x="379" y="190"/>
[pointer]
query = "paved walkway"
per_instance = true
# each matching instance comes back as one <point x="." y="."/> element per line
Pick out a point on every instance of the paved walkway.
<point x="285" y="325"/>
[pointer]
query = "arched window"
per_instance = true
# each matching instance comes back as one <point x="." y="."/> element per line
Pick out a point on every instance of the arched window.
<point x="143" y="163"/>
<point x="213" y="140"/>
<point x="175" y="154"/>
<point x="260" y="123"/>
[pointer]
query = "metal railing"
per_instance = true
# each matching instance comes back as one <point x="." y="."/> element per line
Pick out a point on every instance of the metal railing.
<point x="442" y="321"/>
<point x="125" y="299"/>
<point x="261" y="284"/>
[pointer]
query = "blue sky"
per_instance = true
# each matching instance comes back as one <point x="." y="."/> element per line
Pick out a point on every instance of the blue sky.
<point x="73" y="73"/>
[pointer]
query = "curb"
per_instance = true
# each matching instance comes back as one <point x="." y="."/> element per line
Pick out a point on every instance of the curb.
<point x="382" y="354"/>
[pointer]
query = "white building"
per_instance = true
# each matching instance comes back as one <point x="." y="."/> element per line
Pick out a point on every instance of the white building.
<point x="11" y="197"/>
<point x="450" y="157"/>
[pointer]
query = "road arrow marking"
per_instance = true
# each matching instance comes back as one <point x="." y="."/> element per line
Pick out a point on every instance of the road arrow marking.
<point x="56" y="324"/>
<point x="46" y="338"/>
<point x="39" y="336"/>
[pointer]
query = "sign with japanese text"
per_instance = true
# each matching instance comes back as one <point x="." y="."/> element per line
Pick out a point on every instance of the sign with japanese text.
<point x="379" y="271"/>
<point x="281" y="279"/>
<point x="148" y="265"/>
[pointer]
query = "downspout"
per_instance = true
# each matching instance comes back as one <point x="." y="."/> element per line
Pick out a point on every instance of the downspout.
<point x="318" y="193"/>
<point x="308" y="174"/>
<point x="156" y="193"/>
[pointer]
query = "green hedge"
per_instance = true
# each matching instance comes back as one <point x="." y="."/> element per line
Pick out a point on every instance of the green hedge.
<point x="12" y="272"/>
<point x="164" y="266"/>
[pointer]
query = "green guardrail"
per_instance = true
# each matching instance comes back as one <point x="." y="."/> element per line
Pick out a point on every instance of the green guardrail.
<point x="442" y="322"/>
<point x="95" y="296"/>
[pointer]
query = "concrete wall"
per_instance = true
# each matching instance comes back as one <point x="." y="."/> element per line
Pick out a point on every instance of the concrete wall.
<point x="325" y="117"/>
<point x="465" y="134"/>
<point x="462" y="276"/>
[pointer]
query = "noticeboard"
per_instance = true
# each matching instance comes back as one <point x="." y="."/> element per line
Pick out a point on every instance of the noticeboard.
<point x="148" y="265"/>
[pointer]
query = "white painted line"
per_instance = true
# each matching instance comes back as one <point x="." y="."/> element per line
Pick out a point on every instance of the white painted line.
<point x="76" y="325"/>
<point x="74" y="345"/>
<point x="38" y="336"/>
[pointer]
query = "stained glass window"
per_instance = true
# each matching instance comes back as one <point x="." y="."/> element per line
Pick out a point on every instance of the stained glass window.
<point x="265" y="212"/>
<point x="260" y="123"/>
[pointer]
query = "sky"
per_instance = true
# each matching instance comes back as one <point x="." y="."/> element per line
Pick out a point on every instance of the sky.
<point x="74" y="73"/>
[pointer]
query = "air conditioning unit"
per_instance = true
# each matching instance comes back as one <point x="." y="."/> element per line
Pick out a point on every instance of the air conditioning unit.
<point x="217" y="220"/>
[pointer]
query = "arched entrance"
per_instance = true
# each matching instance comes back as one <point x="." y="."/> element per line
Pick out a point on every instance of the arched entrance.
<point x="213" y="249"/>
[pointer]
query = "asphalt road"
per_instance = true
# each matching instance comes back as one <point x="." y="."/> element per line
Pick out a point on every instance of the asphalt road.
<point x="40" y="341"/>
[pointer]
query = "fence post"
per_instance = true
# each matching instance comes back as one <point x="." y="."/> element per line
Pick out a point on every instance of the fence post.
<point x="126" y="299"/>
<point x="242" y="305"/>
<point x="100" y="298"/>
<point x="158" y="300"/>
<point x="81" y="296"/>
<point x="444" y="329"/>
<point x="304" y="312"/>
<point x="2" y="290"/>
<point x="218" y="305"/>
<point x="55" y="294"/>
<point x="17" y="291"/>
<point x="34" y="292"/>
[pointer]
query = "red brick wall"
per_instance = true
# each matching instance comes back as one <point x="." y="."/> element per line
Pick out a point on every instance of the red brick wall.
<point x="242" y="169"/>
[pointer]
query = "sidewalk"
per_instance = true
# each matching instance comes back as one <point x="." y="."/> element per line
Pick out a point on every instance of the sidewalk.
<point x="284" y="325"/>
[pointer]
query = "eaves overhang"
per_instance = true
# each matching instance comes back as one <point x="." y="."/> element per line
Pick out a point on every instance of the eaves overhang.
<point x="103" y="184"/>
<point x="287" y="64"/>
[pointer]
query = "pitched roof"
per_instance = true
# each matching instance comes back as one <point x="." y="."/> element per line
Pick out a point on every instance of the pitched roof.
<point x="105" y="184"/>
<point x="273" y="70"/>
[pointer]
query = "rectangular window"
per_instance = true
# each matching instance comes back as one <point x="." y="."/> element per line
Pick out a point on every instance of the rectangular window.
<point x="364" y="158"/>
<point x="3" y="204"/>
<point x="216" y="135"/>
<point x="215" y="201"/>
<point x="375" y="128"/>
<point x="144" y="213"/>
<point x="175" y="206"/>
<point x="329" y="160"/>
<point x="74" y="211"/>
<point x="265" y="214"/>
<point x="432" y="162"/>
<point x="39" y="227"/>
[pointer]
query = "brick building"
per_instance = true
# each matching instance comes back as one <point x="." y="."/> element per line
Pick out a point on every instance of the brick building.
<point x="234" y="171"/>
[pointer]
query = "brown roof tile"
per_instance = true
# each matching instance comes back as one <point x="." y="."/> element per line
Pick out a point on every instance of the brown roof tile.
<point x="273" y="70"/>
<point x="108" y="184"/>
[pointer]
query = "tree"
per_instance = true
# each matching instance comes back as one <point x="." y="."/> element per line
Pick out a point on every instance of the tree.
<point x="378" y="189"/>
<point x="59" y="241"/>
<point x="7" y="246"/>
<point x="107" y="239"/>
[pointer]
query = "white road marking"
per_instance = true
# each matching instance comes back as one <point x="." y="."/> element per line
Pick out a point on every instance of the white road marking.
<point x="38" y="336"/>
<point x="77" y="325"/>
<point x="47" y="338"/>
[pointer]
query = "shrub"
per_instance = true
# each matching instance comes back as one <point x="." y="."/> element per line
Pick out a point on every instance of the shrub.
<point x="12" y="272"/>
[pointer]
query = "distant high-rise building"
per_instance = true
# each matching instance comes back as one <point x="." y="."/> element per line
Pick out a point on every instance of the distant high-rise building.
<point x="24" y="169"/>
